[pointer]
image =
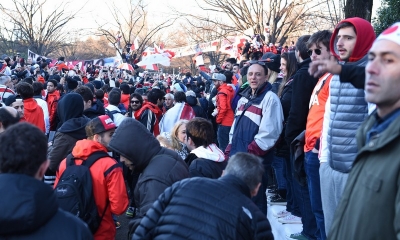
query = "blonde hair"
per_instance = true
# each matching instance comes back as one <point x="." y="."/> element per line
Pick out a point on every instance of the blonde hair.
<point x="174" y="135"/>
<point x="272" y="77"/>
<point x="164" y="142"/>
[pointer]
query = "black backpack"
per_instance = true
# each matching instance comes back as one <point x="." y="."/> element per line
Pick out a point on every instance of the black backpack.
<point x="74" y="190"/>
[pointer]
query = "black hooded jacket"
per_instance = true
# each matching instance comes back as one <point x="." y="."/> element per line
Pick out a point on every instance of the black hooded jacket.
<point x="73" y="123"/>
<point x="96" y="110"/>
<point x="159" y="167"/>
<point x="29" y="210"/>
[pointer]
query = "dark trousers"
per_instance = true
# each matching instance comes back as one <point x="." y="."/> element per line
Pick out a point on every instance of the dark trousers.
<point x="311" y="166"/>
<point x="261" y="199"/>
<point x="292" y="204"/>
<point x="223" y="137"/>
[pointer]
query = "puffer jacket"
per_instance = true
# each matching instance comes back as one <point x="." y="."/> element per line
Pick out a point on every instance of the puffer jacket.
<point x="159" y="167"/>
<point x="29" y="210"/>
<point x="203" y="208"/>
<point x="108" y="185"/>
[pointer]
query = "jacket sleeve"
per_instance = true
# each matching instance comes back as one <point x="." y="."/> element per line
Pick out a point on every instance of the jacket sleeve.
<point x="52" y="115"/>
<point x="353" y="74"/>
<point x="149" y="191"/>
<point x="205" y="75"/>
<point x="149" y="222"/>
<point x="270" y="126"/>
<point x="222" y="106"/>
<point x="117" y="194"/>
<point x="302" y="90"/>
<point x="148" y="119"/>
<point x="58" y="151"/>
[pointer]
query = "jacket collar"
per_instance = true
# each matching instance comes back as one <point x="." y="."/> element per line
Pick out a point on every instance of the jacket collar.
<point x="235" y="182"/>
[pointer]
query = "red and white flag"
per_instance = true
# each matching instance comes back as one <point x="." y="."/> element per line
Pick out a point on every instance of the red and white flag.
<point x="135" y="44"/>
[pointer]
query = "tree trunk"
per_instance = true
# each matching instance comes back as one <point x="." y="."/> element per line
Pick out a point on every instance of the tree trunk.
<point x="358" y="8"/>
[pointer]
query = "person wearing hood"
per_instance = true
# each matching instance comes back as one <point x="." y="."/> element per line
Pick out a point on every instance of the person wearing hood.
<point x="205" y="158"/>
<point x="52" y="98"/>
<point x="224" y="114"/>
<point x="73" y="122"/>
<point x="150" y="113"/>
<point x="92" y="109"/>
<point x="158" y="167"/>
<point x="258" y="123"/>
<point x="29" y="208"/>
<point x="181" y="110"/>
<point x="345" y="110"/>
<point x="194" y="103"/>
<point x="33" y="113"/>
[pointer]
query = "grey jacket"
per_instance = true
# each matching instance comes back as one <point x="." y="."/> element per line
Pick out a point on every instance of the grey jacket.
<point x="370" y="206"/>
<point x="346" y="111"/>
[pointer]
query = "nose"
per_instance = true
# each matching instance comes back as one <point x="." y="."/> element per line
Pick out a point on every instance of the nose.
<point x="339" y="42"/>
<point x="372" y="67"/>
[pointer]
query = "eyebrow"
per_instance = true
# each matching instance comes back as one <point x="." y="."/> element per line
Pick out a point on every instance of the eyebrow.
<point x="384" y="54"/>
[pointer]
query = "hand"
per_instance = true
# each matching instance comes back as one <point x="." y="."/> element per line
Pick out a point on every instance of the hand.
<point x="319" y="67"/>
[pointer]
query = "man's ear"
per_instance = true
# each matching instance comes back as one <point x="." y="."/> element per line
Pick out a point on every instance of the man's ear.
<point x="255" y="190"/>
<point x="42" y="170"/>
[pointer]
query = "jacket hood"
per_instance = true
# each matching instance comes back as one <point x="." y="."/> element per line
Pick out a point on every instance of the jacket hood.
<point x="30" y="105"/>
<point x="75" y="127"/>
<point x="211" y="152"/>
<point x="96" y="110"/>
<point x="133" y="141"/>
<point x="227" y="88"/>
<point x="83" y="148"/>
<point x="70" y="106"/>
<point x="365" y="38"/>
<point x="27" y="206"/>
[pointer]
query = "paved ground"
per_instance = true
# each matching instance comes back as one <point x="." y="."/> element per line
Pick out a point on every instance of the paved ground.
<point x="122" y="233"/>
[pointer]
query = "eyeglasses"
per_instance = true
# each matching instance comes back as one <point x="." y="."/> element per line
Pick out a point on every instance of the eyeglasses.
<point x="317" y="51"/>
<point x="135" y="102"/>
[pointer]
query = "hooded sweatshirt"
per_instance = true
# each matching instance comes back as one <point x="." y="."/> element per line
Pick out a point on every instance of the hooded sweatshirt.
<point x="206" y="162"/>
<point x="159" y="167"/>
<point x="33" y="113"/>
<point x="73" y="123"/>
<point x="30" y="210"/>
<point x="346" y="108"/>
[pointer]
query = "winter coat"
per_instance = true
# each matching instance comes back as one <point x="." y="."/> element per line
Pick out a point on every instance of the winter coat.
<point x="29" y="210"/>
<point x="203" y="208"/>
<point x="149" y="115"/>
<point x="206" y="162"/>
<point x="108" y="185"/>
<point x="370" y="200"/>
<point x="125" y="100"/>
<point x="225" y="114"/>
<point x="52" y="100"/>
<point x="97" y="109"/>
<point x="258" y="122"/>
<point x="33" y="113"/>
<point x="198" y="110"/>
<point x="302" y="87"/>
<point x="45" y="109"/>
<point x="159" y="167"/>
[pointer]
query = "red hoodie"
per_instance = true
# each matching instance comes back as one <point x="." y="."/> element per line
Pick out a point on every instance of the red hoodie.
<point x="33" y="113"/>
<point x="52" y="100"/>
<point x="365" y="38"/>
<point x="108" y="185"/>
<point x="125" y="100"/>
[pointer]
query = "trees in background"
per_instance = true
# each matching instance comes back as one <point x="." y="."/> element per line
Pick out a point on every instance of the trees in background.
<point x="387" y="14"/>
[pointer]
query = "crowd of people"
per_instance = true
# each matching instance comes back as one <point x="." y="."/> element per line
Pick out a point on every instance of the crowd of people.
<point x="195" y="156"/>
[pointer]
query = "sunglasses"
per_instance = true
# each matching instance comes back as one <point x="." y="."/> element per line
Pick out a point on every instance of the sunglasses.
<point x="317" y="51"/>
<point x="135" y="102"/>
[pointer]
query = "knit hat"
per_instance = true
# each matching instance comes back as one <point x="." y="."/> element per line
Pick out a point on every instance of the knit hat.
<point x="391" y="34"/>
<point x="71" y="83"/>
<point x="90" y="85"/>
<point x="218" y="77"/>
<point x="61" y="59"/>
<point x="178" y="87"/>
<point x="273" y="61"/>
<point x="102" y="123"/>
<point x="190" y="94"/>
<point x="9" y="100"/>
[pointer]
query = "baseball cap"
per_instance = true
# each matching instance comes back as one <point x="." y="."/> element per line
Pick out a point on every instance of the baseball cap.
<point x="218" y="77"/>
<point x="102" y="123"/>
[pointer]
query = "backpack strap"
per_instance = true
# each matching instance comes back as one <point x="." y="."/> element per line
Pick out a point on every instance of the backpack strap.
<point x="70" y="160"/>
<point x="93" y="157"/>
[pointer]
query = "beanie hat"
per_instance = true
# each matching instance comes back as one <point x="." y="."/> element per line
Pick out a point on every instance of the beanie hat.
<point x="90" y="85"/>
<point x="273" y="61"/>
<point x="8" y="101"/>
<point x="391" y="34"/>
<point x="178" y="87"/>
<point x="101" y="124"/>
<point x="124" y="88"/>
<point x="190" y="94"/>
<point x="61" y="59"/>
<point x="71" y="83"/>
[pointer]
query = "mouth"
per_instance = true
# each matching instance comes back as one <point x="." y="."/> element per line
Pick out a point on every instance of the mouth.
<point x="370" y="85"/>
<point x="342" y="51"/>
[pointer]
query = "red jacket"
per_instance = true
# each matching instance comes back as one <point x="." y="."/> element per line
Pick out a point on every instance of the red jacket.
<point x="125" y="100"/>
<point x="108" y="184"/>
<point x="225" y="114"/>
<point x="52" y="100"/>
<point x="157" y="112"/>
<point x="33" y="113"/>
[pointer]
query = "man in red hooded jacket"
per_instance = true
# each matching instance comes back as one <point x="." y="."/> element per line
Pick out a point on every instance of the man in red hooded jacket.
<point x="52" y="98"/>
<point x="33" y="113"/>
<point x="108" y="180"/>
<point x="150" y="113"/>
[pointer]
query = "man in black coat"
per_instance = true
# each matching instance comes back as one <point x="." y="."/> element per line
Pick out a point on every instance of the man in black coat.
<point x="158" y="167"/>
<point x="29" y="208"/>
<point x="203" y="208"/>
